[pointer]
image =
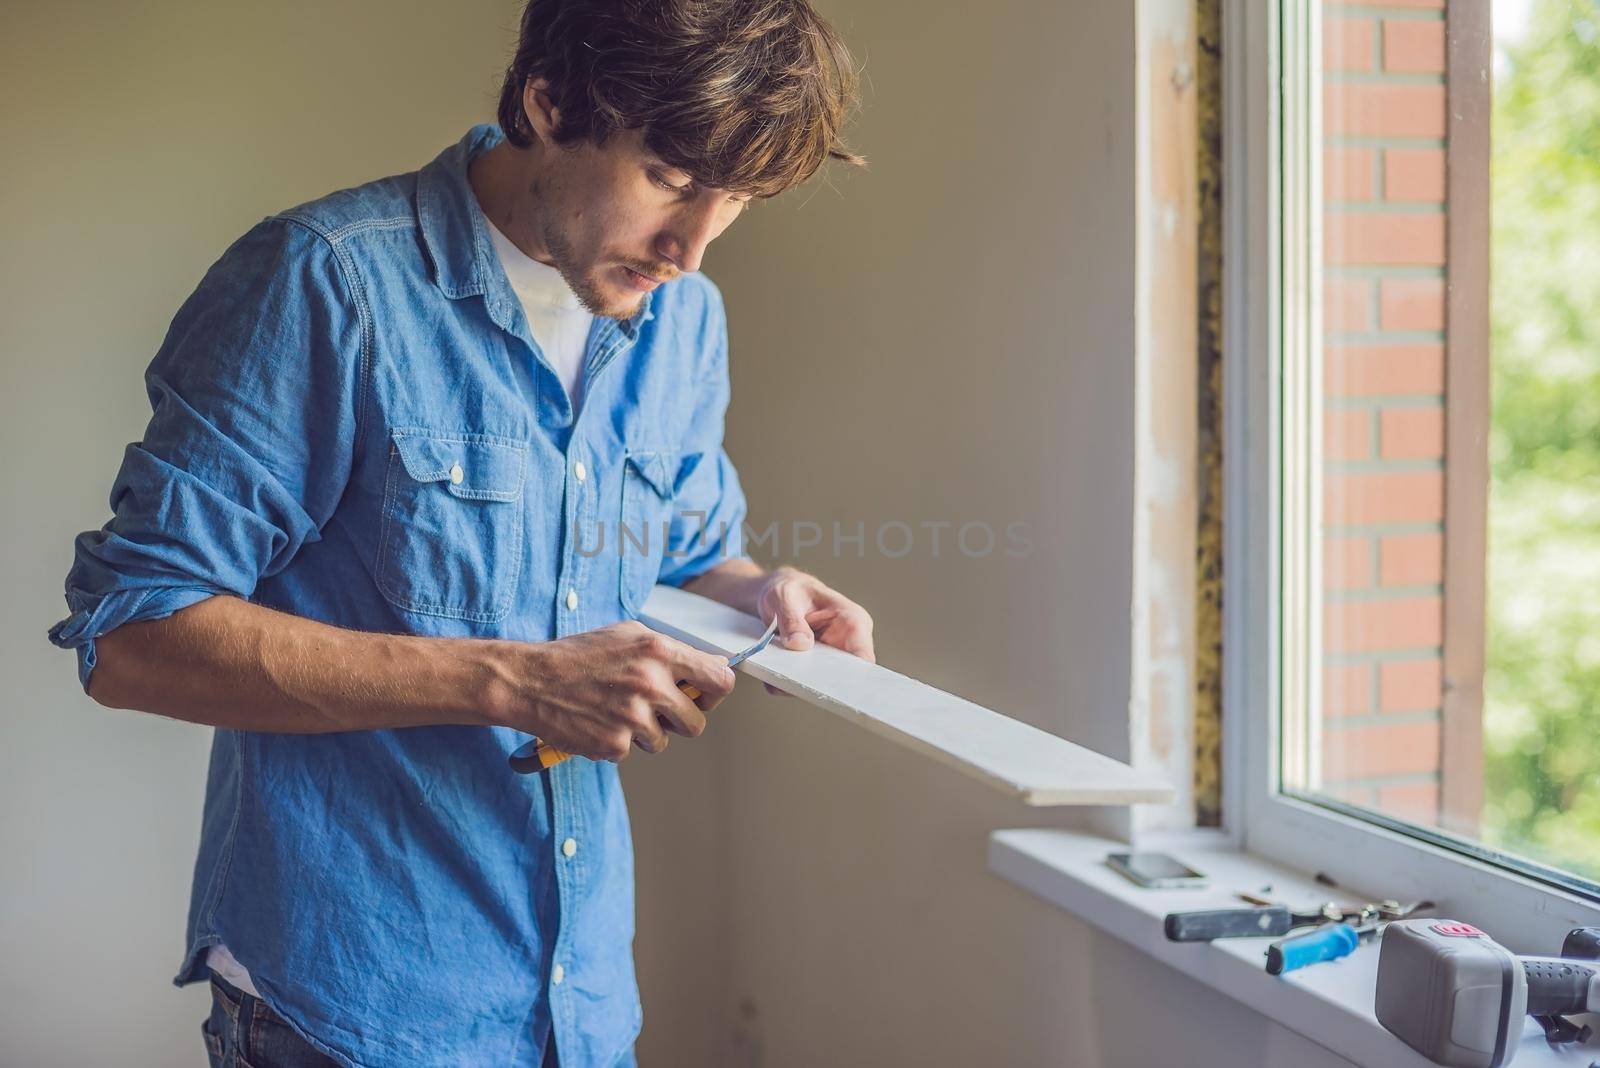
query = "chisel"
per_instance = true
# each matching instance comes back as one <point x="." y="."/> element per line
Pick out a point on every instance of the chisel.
<point x="536" y="755"/>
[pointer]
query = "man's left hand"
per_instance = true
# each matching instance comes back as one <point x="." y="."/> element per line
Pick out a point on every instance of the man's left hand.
<point x="809" y="611"/>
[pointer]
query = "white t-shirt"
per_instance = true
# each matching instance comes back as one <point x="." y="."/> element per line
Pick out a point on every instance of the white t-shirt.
<point x="221" y="961"/>
<point x="560" y="324"/>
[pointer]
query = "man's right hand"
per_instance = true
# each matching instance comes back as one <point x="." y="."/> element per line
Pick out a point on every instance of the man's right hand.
<point x="600" y="693"/>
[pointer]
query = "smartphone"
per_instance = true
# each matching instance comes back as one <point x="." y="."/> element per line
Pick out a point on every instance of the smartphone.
<point x="1155" y="870"/>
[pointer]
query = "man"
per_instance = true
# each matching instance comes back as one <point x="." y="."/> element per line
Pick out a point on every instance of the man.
<point x="392" y="515"/>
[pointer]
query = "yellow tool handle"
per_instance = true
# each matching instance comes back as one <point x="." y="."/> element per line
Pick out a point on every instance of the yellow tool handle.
<point x="548" y="756"/>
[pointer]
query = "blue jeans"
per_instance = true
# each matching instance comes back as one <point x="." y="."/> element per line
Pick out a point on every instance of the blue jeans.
<point x="242" y="1032"/>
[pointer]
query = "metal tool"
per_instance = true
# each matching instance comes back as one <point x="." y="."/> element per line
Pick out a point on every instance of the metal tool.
<point x="1274" y="920"/>
<point x="536" y="755"/>
<point x="1338" y="938"/>
<point x="740" y="657"/>
<point x="1459" y="998"/>
<point x="1203" y="925"/>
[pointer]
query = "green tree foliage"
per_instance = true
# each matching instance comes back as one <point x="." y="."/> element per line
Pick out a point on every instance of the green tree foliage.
<point x="1542" y="688"/>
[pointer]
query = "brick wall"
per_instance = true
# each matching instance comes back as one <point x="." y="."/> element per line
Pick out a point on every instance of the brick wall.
<point x="1384" y="355"/>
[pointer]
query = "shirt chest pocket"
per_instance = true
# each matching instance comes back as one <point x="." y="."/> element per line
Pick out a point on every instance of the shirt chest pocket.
<point x="649" y="486"/>
<point x="452" y="523"/>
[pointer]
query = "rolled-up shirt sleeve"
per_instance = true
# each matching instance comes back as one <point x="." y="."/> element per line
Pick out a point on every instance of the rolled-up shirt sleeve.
<point x="709" y="504"/>
<point x="254" y="396"/>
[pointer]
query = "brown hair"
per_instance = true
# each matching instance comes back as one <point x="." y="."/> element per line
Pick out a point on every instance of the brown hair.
<point x="743" y="95"/>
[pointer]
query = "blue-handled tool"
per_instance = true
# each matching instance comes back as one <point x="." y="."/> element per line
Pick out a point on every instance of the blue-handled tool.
<point x="1325" y="943"/>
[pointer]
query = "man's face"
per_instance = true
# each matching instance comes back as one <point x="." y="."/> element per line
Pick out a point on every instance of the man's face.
<point x="618" y="221"/>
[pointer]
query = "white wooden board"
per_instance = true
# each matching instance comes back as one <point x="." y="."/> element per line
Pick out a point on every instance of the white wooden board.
<point x="1032" y="765"/>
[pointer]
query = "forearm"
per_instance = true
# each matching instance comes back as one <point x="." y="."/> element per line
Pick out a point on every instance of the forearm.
<point x="228" y="663"/>
<point x="736" y="583"/>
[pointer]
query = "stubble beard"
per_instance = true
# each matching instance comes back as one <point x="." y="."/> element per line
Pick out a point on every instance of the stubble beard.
<point x="585" y="285"/>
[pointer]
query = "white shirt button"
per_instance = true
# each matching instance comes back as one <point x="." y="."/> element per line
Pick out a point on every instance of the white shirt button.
<point x="557" y="974"/>
<point x="456" y="474"/>
<point x="579" y="471"/>
<point x="572" y="599"/>
<point x="569" y="847"/>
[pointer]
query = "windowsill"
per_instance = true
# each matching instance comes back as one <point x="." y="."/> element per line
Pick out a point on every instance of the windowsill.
<point x="1330" y="1004"/>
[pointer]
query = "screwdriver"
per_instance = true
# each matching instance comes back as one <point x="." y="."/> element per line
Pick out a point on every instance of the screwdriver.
<point x="1325" y="943"/>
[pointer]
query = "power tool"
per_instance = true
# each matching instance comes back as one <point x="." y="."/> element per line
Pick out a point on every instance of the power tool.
<point x="1459" y="998"/>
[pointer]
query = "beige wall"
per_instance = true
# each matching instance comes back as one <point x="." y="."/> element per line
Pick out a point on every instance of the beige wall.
<point x="136" y="142"/>
<point x="946" y="337"/>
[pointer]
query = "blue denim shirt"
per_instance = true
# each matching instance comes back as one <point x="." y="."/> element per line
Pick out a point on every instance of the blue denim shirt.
<point x="353" y="423"/>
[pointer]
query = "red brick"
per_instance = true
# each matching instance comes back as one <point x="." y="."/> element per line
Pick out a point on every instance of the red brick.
<point x="1411" y="433"/>
<point x="1347" y="689"/>
<point x="1347" y="563"/>
<point x="1411" y="559"/>
<point x="1346" y="304"/>
<point x="1381" y="749"/>
<point x="1386" y="625"/>
<point x="1368" y="370"/>
<point x="1412" y="46"/>
<point x="1378" y="110"/>
<point x="1347" y="435"/>
<point x="1411" y="304"/>
<point x="1414" y="174"/>
<point x="1385" y="239"/>
<point x="1347" y="44"/>
<point x="1347" y="174"/>
<point x="1383" y="497"/>
<point x="1417" y="801"/>
<point x="1410" y="685"/>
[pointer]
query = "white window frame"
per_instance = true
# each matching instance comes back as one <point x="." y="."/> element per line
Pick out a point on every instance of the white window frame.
<point x="1271" y="321"/>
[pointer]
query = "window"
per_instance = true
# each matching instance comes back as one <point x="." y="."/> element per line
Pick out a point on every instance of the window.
<point x="1414" y="448"/>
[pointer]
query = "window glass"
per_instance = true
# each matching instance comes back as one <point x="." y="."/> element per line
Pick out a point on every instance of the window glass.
<point x="1453" y="677"/>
